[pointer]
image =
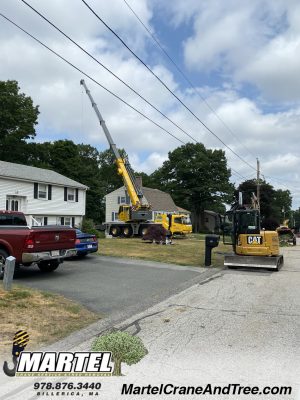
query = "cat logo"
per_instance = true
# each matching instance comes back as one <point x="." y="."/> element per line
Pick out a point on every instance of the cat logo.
<point x="254" y="239"/>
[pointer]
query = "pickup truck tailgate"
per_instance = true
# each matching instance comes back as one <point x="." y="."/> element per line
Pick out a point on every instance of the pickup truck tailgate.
<point x="52" y="239"/>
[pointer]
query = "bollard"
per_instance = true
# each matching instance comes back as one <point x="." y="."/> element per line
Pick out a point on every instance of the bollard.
<point x="9" y="270"/>
<point x="211" y="241"/>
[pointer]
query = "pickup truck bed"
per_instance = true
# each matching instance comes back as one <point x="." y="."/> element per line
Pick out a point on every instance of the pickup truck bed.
<point x="46" y="246"/>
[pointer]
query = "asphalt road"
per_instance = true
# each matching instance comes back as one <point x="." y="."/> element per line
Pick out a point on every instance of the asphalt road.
<point x="112" y="287"/>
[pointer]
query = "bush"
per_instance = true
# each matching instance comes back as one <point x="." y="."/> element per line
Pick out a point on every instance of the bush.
<point x="123" y="346"/>
<point x="88" y="226"/>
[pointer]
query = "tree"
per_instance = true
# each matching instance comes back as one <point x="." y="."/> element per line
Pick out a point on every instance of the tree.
<point x="266" y="195"/>
<point x="123" y="346"/>
<point x="197" y="179"/>
<point x="108" y="170"/>
<point x="272" y="201"/>
<point x="18" y="117"/>
<point x="282" y="204"/>
<point x="79" y="162"/>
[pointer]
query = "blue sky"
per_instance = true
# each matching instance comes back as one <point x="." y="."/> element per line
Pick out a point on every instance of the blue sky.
<point x="243" y="57"/>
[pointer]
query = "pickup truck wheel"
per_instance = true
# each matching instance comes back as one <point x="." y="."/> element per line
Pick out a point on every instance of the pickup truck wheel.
<point x="3" y="257"/>
<point x="48" y="266"/>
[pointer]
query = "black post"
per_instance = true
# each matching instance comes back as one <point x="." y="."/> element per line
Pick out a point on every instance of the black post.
<point x="208" y="251"/>
<point x="211" y="241"/>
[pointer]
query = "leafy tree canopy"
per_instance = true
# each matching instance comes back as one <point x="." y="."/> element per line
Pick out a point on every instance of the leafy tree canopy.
<point x="272" y="202"/>
<point x="18" y="117"/>
<point x="197" y="178"/>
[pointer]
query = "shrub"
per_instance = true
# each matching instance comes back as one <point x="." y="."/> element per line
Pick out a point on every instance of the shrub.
<point x="88" y="226"/>
<point x="123" y="346"/>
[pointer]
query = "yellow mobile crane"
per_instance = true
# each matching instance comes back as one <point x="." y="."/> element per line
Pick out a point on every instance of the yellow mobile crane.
<point x="134" y="219"/>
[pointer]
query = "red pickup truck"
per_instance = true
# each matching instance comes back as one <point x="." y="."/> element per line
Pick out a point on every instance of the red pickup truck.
<point x="45" y="246"/>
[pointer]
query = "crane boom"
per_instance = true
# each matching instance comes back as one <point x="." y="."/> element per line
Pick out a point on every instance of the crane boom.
<point x="123" y="167"/>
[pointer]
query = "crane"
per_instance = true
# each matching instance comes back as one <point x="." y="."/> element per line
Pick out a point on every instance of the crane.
<point x="135" y="218"/>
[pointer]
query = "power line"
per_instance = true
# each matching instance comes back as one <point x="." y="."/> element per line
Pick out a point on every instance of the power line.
<point x="92" y="79"/>
<point x="151" y="34"/>
<point x="186" y="78"/>
<point x="81" y="48"/>
<point x="108" y="70"/>
<point x="164" y="84"/>
<point x="99" y="84"/>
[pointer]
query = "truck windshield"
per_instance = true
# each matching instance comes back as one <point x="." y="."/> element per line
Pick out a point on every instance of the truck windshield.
<point x="186" y="220"/>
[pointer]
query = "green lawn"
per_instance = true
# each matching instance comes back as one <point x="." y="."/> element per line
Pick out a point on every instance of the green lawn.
<point x="185" y="251"/>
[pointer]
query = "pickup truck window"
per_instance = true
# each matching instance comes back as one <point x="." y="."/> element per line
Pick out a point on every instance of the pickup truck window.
<point x="15" y="220"/>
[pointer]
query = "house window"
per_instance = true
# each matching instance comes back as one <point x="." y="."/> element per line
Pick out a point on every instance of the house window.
<point x="114" y="216"/>
<point x="42" y="191"/>
<point x="38" y="221"/>
<point x="66" y="221"/>
<point x="71" y="194"/>
<point x="124" y="199"/>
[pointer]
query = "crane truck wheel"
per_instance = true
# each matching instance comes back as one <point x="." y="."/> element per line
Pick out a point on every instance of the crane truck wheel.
<point x="127" y="231"/>
<point x="115" y="231"/>
<point x="143" y="230"/>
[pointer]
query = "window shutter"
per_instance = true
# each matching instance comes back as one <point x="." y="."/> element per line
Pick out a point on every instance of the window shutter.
<point x="62" y="220"/>
<point x="112" y="216"/>
<point x="73" y="221"/>
<point x="65" y="194"/>
<point x="35" y="190"/>
<point x="76" y="195"/>
<point x="49" y="192"/>
<point x="46" y="220"/>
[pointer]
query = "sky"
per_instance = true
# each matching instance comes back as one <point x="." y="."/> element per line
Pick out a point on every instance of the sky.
<point x="242" y="59"/>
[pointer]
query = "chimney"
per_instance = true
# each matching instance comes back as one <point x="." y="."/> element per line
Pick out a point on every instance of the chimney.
<point x="139" y="181"/>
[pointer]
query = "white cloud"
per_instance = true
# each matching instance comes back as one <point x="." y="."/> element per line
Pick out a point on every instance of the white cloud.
<point x="253" y="42"/>
<point x="240" y="40"/>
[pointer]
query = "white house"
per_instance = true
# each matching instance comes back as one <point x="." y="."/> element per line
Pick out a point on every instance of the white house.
<point x="161" y="203"/>
<point x="44" y="196"/>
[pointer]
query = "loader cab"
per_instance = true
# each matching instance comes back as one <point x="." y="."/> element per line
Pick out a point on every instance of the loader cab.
<point x="237" y="222"/>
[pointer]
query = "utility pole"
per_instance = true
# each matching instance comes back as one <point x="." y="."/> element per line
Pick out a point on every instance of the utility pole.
<point x="258" y="184"/>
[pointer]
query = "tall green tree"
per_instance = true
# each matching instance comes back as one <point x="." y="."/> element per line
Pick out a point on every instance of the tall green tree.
<point x="18" y="117"/>
<point x="282" y="204"/>
<point x="272" y="202"/>
<point x="197" y="179"/>
<point x="267" y="193"/>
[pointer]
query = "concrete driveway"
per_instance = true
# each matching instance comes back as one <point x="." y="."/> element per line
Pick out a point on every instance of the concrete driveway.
<point x="113" y="287"/>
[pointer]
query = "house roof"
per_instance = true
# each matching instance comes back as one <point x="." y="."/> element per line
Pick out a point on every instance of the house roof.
<point x="33" y="174"/>
<point x="211" y="213"/>
<point x="159" y="200"/>
<point x="183" y="210"/>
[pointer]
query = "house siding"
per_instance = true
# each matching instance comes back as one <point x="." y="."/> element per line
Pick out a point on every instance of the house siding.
<point x="111" y="203"/>
<point x="56" y="207"/>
